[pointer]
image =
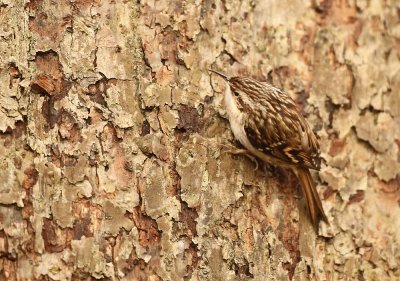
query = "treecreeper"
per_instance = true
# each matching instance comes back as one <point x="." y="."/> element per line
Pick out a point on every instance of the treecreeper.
<point x="267" y="122"/>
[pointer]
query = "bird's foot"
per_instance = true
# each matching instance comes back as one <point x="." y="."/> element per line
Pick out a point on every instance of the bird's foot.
<point x="240" y="151"/>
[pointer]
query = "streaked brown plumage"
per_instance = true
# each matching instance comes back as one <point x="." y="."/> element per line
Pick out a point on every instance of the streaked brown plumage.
<point x="268" y="124"/>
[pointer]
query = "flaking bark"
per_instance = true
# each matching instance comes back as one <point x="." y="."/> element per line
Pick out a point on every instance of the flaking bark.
<point x="111" y="132"/>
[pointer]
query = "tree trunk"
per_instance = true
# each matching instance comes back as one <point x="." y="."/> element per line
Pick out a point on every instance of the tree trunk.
<point x="113" y="140"/>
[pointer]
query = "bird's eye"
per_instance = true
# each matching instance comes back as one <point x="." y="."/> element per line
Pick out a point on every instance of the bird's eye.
<point x="236" y="94"/>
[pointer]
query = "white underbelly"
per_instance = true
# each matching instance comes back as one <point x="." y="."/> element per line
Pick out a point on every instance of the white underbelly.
<point x="236" y="119"/>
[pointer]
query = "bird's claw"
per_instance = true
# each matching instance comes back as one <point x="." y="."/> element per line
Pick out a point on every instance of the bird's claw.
<point x="237" y="151"/>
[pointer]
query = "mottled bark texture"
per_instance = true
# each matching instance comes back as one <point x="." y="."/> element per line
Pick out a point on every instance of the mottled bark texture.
<point x="111" y="134"/>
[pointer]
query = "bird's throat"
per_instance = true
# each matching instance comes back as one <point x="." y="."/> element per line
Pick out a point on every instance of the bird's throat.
<point x="236" y="118"/>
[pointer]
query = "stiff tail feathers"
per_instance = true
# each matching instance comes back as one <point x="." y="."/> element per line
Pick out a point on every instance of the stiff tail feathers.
<point x="311" y="196"/>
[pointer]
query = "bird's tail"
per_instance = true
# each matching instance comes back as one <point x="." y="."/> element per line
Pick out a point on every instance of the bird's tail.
<point x="313" y="202"/>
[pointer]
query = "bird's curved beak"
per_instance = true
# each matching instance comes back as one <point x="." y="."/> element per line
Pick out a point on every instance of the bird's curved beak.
<point x="226" y="78"/>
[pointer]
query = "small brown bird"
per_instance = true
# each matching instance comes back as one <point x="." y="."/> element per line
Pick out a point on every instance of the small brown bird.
<point x="266" y="121"/>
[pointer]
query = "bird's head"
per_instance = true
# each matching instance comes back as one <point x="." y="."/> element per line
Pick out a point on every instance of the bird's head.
<point x="244" y="88"/>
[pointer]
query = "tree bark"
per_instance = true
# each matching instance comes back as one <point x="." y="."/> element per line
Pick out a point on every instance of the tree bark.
<point x="113" y="135"/>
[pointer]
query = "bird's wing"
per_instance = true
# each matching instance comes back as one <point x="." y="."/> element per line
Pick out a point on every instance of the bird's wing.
<point x="278" y="129"/>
